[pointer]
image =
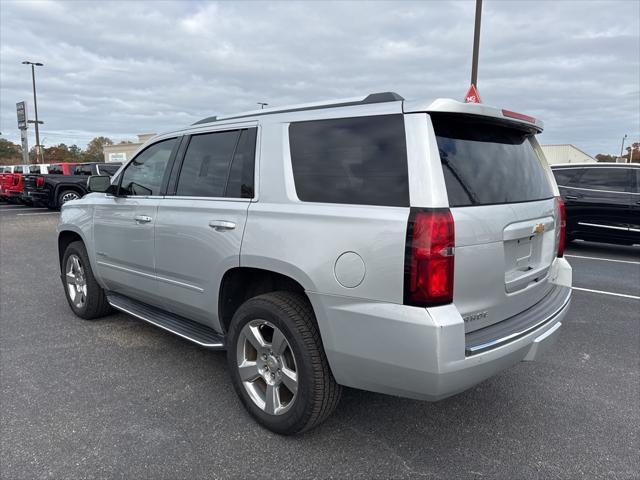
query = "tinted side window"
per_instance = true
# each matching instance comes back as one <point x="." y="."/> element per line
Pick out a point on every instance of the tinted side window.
<point x="143" y="176"/>
<point x="34" y="169"/>
<point x="206" y="164"/>
<point x="17" y="170"/>
<point x="360" y="160"/>
<point x="564" y="177"/>
<point x="240" y="184"/>
<point x="83" y="170"/>
<point x="615" y="179"/>
<point x="55" y="169"/>
<point x="109" y="169"/>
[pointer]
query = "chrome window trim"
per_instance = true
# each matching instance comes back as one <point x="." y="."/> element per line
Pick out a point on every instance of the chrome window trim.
<point x="612" y="227"/>
<point x="596" y="190"/>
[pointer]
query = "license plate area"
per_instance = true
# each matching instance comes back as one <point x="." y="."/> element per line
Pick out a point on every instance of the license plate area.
<point x="527" y="252"/>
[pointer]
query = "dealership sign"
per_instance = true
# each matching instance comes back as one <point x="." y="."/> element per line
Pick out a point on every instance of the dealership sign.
<point x="21" y="109"/>
<point x="118" y="157"/>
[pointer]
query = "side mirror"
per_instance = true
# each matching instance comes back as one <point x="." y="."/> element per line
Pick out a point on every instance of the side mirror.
<point x="100" y="184"/>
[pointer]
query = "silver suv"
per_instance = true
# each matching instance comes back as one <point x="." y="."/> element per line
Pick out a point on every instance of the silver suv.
<point x="407" y="248"/>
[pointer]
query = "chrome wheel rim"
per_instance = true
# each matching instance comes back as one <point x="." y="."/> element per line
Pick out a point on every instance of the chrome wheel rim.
<point x="67" y="197"/>
<point x="267" y="367"/>
<point x="76" y="281"/>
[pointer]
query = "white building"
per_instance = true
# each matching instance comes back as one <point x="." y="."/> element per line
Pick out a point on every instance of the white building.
<point x="122" y="152"/>
<point x="565" y="154"/>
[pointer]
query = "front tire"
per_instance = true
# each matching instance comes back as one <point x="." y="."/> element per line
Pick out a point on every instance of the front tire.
<point x="278" y="365"/>
<point x="85" y="296"/>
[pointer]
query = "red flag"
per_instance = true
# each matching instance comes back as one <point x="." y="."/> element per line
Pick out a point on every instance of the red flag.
<point x="472" y="95"/>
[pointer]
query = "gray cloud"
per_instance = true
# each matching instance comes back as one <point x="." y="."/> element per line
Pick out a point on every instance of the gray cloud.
<point x="120" y="68"/>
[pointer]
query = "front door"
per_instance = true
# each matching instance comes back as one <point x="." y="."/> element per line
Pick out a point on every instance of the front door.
<point x="124" y="225"/>
<point x="199" y="229"/>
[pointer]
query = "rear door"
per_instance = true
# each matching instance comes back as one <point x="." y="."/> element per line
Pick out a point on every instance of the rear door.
<point x="199" y="227"/>
<point x="503" y="205"/>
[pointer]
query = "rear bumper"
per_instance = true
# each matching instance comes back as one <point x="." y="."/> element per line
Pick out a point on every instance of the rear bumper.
<point x="421" y="353"/>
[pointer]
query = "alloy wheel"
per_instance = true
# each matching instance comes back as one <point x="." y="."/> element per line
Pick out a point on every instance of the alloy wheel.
<point x="267" y="367"/>
<point x="76" y="281"/>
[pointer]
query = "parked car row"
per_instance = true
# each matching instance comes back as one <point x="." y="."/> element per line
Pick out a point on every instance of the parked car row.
<point x="49" y="185"/>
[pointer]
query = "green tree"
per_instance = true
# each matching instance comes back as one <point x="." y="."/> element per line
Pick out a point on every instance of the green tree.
<point x="93" y="152"/>
<point x="57" y="154"/>
<point x="76" y="154"/>
<point x="601" y="157"/>
<point x="9" y="150"/>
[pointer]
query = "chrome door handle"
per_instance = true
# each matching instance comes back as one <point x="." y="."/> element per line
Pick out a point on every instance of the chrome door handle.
<point x="220" y="225"/>
<point x="142" y="218"/>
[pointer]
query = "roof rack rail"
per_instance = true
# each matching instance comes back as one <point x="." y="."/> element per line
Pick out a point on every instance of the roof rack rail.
<point x="380" y="97"/>
<point x="206" y="120"/>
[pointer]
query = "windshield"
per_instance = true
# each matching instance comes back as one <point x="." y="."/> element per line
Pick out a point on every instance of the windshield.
<point x="487" y="163"/>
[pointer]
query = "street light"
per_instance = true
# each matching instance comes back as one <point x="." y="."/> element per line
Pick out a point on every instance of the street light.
<point x="262" y="104"/>
<point x="39" y="158"/>
<point x="622" y="146"/>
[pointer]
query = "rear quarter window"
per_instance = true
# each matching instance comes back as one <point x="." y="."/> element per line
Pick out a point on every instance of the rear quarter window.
<point x="361" y="160"/>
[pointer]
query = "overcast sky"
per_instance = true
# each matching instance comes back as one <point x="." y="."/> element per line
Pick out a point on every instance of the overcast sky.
<point x="121" y="68"/>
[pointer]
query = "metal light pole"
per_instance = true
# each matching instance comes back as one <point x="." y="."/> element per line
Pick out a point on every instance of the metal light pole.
<point x="262" y="105"/>
<point x="39" y="158"/>
<point x="622" y="146"/>
<point x="476" y="45"/>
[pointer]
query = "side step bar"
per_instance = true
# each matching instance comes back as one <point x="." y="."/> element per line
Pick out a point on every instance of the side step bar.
<point x="183" y="327"/>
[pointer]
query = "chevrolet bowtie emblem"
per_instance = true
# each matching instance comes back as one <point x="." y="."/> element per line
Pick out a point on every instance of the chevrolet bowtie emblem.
<point x="539" y="228"/>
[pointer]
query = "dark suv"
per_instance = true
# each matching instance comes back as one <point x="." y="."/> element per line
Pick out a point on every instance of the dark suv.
<point x="602" y="201"/>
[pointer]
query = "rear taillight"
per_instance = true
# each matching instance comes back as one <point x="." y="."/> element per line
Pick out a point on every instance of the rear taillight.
<point x="16" y="180"/>
<point x="39" y="181"/>
<point x="562" y="225"/>
<point x="428" y="277"/>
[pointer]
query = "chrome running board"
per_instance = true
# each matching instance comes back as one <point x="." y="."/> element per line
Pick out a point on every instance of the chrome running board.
<point x="188" y="329"/>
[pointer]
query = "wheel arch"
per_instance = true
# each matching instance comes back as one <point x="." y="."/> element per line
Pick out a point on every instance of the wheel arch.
<point x="241" y="283"/>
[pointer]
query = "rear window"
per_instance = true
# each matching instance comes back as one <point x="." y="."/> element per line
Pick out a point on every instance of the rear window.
<point x="17" y="170"/>
<point x="488" y="163"/>
<point x="55" y="169"/>
<point x="34" y="169"/>
<point x="361" y="160"/>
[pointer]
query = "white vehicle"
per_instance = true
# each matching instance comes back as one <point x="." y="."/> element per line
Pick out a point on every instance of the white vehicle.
<point x="407" y="248"/>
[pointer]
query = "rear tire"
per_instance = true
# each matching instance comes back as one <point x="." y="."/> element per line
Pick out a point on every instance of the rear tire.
<point x="316" y="392"/>
<point x="85" y="296"/>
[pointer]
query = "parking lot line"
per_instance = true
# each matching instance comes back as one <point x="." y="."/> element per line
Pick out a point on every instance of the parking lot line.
<point x="38" y="213"/>
<point x="625" y="295"/>
<point x="603" y="259"/>
<point x="27" y="209"/>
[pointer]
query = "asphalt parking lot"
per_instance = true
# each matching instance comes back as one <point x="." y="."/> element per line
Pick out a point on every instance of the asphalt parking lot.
<point x="117" y="398"/>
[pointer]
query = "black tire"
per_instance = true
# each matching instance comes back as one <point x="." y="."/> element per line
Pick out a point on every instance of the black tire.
<point x="62" y="197"/>
<point x="318" y="394"/>
<point x="95" y="305"/>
